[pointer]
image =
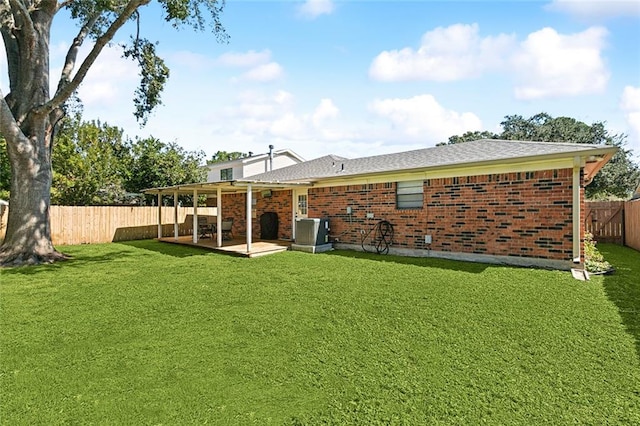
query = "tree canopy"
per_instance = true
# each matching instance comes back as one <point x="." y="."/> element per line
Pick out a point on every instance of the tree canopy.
<point x="94" y="164"/>
<point x="222" y="156"/>
<point x="617" y="179"/>
<point x="30" y="114"/>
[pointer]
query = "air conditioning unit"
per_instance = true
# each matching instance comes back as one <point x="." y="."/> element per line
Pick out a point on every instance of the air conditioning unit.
<point x="312" y="235"/>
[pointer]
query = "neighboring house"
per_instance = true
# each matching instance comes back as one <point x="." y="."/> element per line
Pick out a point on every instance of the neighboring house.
<point x="252" y="165"/>
<point x="511" y="202"/>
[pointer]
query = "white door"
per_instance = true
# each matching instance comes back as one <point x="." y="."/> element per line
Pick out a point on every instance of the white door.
<point x="300" y="207"/>
<point x="301" y="204"/>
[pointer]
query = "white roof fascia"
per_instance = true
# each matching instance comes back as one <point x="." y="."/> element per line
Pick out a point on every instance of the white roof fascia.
<point x="257" y="157"/>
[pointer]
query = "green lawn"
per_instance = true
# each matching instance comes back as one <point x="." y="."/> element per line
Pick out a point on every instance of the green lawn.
<point x="152" y="333"/>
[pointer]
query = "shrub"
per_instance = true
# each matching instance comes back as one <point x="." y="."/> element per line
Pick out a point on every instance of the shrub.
<point x="593" y="259"/>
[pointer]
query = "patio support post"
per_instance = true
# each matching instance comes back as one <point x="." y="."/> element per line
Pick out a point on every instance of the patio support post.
<point x="195" y="216"/>
<point x="175" y="215"/>
<point x="249" y="225"/>
<point x="219" y="216"/>
<point x="575" y="213"/>
<point x="294" y="210"/>
<point x="159" y="214"/>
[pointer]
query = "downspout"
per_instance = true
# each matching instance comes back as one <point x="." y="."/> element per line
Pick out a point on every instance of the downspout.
<point x="576" y="210"/>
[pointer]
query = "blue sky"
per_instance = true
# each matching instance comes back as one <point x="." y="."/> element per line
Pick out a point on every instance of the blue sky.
<point x="358" y="78"/>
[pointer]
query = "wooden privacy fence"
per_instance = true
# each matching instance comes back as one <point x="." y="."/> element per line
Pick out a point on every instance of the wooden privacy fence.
<point x="102" y="224"/>
<point x="615" y="222"/>
<point x="632" y="224"/>
<point x="605" y="220"/>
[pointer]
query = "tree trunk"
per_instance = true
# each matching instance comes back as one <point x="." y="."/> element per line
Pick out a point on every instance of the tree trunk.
<point x="28" y="235"/>
<point x="28" y="132"/>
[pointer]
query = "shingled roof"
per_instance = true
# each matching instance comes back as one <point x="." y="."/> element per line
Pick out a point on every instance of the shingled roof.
<point x="479" y="151"/>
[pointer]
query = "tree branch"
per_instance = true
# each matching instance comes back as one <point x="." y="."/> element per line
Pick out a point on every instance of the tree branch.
<point x="64" y="4"/>
<point x="22" y="20"/>
<point x="72" y="53"/>
<point x="63" y="93"/>
<point x="10" y="128"/>
<point x="11" y="48"/>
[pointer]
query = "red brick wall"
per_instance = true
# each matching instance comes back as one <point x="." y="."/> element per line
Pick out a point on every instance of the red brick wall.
<point x="235" y="205"/>
<point x="279" y="202"/>
<point x="513" y="214"/>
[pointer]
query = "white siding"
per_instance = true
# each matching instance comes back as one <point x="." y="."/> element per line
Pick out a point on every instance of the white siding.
<point x="283" y="161"/>
<point x="250" y="166"/>
<point x="262" y="165"/>
<point x="255" y="167"/>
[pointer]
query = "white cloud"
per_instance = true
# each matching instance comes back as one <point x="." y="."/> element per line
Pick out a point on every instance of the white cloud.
<point x="264" y="73"/>
<point x="324" y="111"/>
<point x="254" y="105"/>
<point x="546" y="64"/>
<point x="596" y="9"/>
<point x="630" y="106"/>
<point x="246" y="59"/>
<point x="549" y="64"/>
<point x="261" y="68"/>
<point x="422" y="118"/>
<point x="275" y="115"/>
<point x="630" y="99"/>
<point x="445" y="54"/>
<point x="311" y="9"/>
<point x="110" y="81"/>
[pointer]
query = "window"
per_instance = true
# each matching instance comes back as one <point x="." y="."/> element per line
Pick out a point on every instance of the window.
<point x="302" y="204"/>
<point x="226" y="174"/>
<point x="409" y="195"/>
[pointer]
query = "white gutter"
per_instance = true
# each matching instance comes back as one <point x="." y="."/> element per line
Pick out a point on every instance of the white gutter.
<point x="575" y="213"/>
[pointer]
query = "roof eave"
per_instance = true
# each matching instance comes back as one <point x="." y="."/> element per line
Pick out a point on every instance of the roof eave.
<point x="598" y="155"/>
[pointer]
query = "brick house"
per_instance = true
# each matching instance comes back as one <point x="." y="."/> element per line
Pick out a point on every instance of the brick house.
<point x="496" y="201"/>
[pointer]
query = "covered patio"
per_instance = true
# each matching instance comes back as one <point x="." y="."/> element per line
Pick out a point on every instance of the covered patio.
<point x="247" y="246"/>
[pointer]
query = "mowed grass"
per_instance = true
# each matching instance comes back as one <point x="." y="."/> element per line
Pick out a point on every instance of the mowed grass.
<point x="152" y="333"/>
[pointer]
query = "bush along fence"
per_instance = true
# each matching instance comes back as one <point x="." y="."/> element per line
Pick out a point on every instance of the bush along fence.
<point x="103" y="224"/>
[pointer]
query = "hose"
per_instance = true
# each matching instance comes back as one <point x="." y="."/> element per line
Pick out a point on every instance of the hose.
<point x="382" y="237"/>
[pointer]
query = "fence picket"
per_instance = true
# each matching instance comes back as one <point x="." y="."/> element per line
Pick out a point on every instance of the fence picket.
<point x="604" y="219"/>
<point x="632" y="224"/>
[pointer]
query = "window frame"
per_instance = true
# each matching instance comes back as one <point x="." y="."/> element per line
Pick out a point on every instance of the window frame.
<point x="226" y="174"/>
<point x="410" y="195"/>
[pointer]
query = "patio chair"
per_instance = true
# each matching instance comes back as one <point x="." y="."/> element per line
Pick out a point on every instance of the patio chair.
<point x="227" y="229"/>
<point x="204" y="228"/>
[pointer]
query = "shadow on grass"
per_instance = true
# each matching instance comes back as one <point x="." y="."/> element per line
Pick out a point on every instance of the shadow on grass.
<point x="71" y="262"/>
<point x="168" y="249"/>
<point x="431" y="262"/>
<point x="623" y="287"/>
<point x="111" y="252"/>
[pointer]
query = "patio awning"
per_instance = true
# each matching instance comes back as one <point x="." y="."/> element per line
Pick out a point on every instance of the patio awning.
<point x="226" y="187"/>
